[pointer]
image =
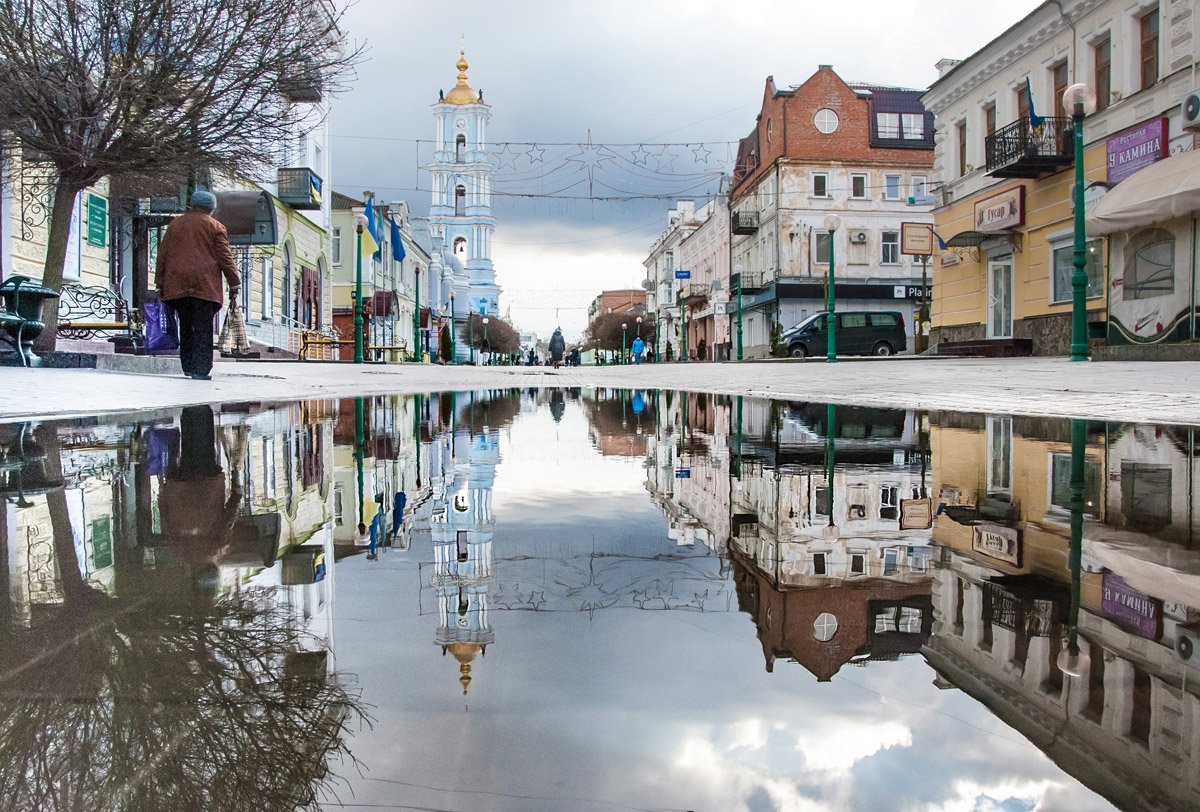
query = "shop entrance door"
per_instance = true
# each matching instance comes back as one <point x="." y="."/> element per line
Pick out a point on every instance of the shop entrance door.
<point x="1000" y="299"/>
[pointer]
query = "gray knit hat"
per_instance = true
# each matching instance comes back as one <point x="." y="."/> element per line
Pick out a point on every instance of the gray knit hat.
<point x="204" y="199"/>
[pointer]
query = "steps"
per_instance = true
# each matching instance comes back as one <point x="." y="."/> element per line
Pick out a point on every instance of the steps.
<point x="988" y="348"/>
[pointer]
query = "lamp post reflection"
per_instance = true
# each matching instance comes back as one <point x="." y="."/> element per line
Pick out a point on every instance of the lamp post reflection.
<point x="1072" y="661"/>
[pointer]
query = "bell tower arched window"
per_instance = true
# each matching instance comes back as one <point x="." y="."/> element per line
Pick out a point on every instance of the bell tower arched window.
<point x="460" y="249"/>
<point x="460" y="200"/>
<point x="460" y="148"/>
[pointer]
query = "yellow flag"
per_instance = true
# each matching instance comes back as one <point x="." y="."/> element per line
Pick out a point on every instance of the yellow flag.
<point x="367" y="243"/>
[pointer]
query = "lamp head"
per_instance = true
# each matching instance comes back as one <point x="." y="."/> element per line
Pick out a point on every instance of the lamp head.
<point x="832" y="222"/>
<point x="738" y="268"/>
<point x="624" y="325"/>
<point x="1072" y="661"/>
<point x="639" y="319"/>
<point x="485" y="319"/>
<point x="1079" y="99"/>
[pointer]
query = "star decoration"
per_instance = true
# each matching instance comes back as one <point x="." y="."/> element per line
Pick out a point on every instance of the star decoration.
<point x="506" y="157"/>
<point x="589" y="157"/>
<point x="640" y="155"/>
<point x="665" y="158"/>
<point x="535" y="154"/>
<point x="702" y="153"/>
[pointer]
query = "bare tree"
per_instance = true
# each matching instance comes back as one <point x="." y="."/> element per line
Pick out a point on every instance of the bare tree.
<point x="605" y="332"/>
<point x="501" y="336"/>
<point x="147" y="88"/>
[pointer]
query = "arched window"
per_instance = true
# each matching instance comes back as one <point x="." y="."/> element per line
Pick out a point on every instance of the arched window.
<point x="1149" y="264"/>
<point x="460" y="249"/>
<point x="460" y="200"/>
<point x="291" y="298"/>
<point x="460" y="148"/>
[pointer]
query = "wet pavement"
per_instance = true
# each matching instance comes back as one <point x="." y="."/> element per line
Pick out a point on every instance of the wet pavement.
<point x="597" y="599"/>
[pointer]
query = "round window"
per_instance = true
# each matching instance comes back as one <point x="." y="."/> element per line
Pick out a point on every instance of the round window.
<point x="826" y="120"/>
<point x="824" y="627"/>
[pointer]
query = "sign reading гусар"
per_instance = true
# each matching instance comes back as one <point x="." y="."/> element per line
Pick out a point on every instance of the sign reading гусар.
<point x="998" y="212"/>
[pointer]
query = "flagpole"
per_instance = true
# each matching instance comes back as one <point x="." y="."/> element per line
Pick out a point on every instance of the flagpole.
<point x="358" y="308"/>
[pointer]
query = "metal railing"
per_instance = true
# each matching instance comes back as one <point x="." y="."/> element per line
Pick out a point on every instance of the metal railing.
<point x="1051" y="140"/>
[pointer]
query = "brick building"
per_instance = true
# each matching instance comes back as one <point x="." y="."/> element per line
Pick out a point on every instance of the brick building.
<point x="863" y="152"/>
<point x="617" y="301"/>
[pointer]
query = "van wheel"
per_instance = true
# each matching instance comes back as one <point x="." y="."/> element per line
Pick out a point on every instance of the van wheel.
<point x="798" y="351"/>
<point x="883" y="349"/>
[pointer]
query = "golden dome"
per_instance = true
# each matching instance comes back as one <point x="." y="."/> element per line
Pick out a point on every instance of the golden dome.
<point x="462" y="93"/>
<point x="464" y="653"/>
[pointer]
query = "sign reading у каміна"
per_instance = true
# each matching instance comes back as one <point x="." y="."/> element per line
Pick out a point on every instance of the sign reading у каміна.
<point x="998" y="212"/>
<point x="916" y="239"/>
<point x="1136" y="148"/>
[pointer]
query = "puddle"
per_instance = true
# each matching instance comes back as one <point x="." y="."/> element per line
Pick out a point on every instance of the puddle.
<point x="597" y="600"/>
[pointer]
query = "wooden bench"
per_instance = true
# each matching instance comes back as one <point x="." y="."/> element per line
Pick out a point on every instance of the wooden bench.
<point x="96" y="312"/>
<point x="315" y="339"/>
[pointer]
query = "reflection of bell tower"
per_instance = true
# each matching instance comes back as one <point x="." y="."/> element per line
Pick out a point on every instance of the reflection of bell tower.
<point x="463" y="552"/>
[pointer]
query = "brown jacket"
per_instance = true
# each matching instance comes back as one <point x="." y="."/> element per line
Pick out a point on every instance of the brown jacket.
<point x="192" y="256"/>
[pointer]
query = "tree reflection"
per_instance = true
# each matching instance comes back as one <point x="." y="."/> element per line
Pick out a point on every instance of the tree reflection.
<point x="166" y="696"/>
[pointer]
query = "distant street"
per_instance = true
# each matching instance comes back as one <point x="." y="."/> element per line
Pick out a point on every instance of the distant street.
<point x="1145" y="392"/>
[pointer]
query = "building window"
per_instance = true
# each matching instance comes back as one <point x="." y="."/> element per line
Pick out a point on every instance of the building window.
<point x="989" y="120"/>
<point x="998" y="475"/>
<point x="1146" y="496"/>
<point x="1023" y="101"/>
<point x="770" y="129"/>
<point x="1149" y="52"/>
<point x="1064" y="269"/>
<point x="887" y="125"/>
<point x="858" y="564"/>
<point x="460" y="148"/>
<point x="858" y="186"/>
<point x="335" y="246"/>
<point x="460" y="201"/>
<point x="890" y="254"/>
<point x="268" y="288"/>
<point x="919" y="186"/>
<point x="1058" y="74"/>
<point x="820" y="186"/>
<point x="961" y="131"/>
<point x="889" y="502"/>
<point x="891" y="187"/>
<point x="1149" y="265"/>
<point x="1060" y="485"/>
<point x="823" y="240"/>
<point x="1103" y="74"/>
<point x="825" y="120"/>
<point x="818" y="563"/>
<point x="914" y="126"/>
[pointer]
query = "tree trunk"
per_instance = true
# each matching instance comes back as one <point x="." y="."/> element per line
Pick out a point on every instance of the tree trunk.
<point x="65" y="193"/>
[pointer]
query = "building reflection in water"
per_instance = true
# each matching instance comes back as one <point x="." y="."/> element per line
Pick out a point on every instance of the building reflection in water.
<point x="1047" y="568"/>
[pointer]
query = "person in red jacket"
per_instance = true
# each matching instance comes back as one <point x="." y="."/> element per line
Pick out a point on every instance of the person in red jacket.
<point x="192" y="257"/>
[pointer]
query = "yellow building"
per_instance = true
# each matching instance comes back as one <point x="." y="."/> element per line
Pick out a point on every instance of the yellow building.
<point x="1004" y="162"/>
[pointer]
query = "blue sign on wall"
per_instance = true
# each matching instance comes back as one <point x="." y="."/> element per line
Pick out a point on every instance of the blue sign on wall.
<point x="683" y="274"/>
<point x="683" y="473"/>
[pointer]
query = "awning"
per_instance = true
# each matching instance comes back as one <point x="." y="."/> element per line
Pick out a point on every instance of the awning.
<point x="1162" y="191"/>
<point x="967" y="239"/>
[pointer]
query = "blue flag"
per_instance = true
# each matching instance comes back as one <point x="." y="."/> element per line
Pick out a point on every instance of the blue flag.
<point x="941" y="242"/>
<point x="1035" y="120"/>
<point x="373" y="226"/>
<point x="398" y="252"/>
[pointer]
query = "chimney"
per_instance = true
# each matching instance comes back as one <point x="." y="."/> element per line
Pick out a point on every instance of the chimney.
<point x="946" y="65"/>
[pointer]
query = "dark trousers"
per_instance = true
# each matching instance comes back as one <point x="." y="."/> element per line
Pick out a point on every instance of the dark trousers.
<point x="197" y="445"/>
<point x="195" y="333"/>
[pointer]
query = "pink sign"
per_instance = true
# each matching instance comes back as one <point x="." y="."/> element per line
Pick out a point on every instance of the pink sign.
<point x="1136" y="148"/>
<point x="1135" y="610"/>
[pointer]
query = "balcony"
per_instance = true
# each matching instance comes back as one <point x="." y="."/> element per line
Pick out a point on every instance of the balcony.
<point x="745" y="222"/>
<point x="1021" y="150"/>
<point x="301" y="83"/>
<point x="695" y="292"/>
<point x="300" y="187"/>
<point x="750" y="282"/>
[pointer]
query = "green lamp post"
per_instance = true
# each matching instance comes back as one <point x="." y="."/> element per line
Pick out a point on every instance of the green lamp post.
<point x="471" y="336"/>
<point x="358" y="306"/>
<point x="832" y="224"/>
<point x="485" y="341"/>
<point x="1081" y="101"/>
<point x="453" y="330"/>
<point x="1073" y="661"/>
<point x="624" y="327"/>
<point x="417" y="313"/>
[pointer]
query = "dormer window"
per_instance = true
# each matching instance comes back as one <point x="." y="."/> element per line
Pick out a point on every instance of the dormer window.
<point x="460" y="148"/>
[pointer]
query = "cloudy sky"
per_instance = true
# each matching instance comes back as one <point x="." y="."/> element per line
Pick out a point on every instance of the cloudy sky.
<point x="661" y="88"/>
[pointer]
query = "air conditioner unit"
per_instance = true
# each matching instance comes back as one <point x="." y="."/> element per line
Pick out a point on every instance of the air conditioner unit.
<point x="1191" y="110"/>
<point x="1187" y="646"/>
<point x="858" y="236"/>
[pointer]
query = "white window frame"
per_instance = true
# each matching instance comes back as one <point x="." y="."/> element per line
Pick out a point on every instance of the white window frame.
<point x="887" y="187"/>
<point x="335" y="245"/>
<point x="885" y="244"/>
<point x="887" y="125"/>
<point x="1059" y="241"/>
<point x="823" y="177"/>
<point x="817" y="235"/>
<point x="853" y="177"/>
<point x="918" y="180"/>
<point x="910" y="134"/>
<point x="267" y="305"/>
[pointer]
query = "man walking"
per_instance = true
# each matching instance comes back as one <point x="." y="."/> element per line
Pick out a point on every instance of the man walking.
<point x="192" y="257"/>
<point x="637" y="349"/>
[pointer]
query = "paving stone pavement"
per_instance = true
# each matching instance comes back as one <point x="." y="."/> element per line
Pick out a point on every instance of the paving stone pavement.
<point x="1167" y="392"/>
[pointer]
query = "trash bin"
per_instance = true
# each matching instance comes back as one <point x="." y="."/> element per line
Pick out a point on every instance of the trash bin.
<point x="25" y="298"/>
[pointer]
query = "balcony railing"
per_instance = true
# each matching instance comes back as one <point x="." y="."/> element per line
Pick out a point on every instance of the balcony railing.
<point x="695" y="291"/>
<point x="750" y="281"/>
<point x="1021" y="150"/>
<point x="300" y="187"/>
<point x="745" y="222"/>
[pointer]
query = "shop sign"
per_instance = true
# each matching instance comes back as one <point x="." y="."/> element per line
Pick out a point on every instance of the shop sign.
<point x="916" y="239"/>
<point x="683" y="473"/>
<point x="1136" y="148"/>
<point x="998" y="212"/>
<point x="916" y="514"/>
<point x="1000" y="543"/>
<point x="1134" y="610"/>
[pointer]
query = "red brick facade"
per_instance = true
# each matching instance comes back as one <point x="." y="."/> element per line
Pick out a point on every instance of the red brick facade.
<point x="785" y="130"/>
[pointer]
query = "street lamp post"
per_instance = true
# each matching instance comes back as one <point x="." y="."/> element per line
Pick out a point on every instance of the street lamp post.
<point x="832" y="224"/>
<point x="453" y="330"/>
<point x="471" y="336"/>
<point x="739" y="270"/>
<point x="624" y="327"/>
<point x="657" y="333"/>
<point x="485" y="341"/>
<point x="1081" y="101"/>
<point x="358" y="306"/>
<point x="417" y="313"/>
<point x="639" y="328"/>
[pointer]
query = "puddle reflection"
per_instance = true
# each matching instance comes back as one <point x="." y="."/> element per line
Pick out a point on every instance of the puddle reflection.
<point x="584" y="563"/>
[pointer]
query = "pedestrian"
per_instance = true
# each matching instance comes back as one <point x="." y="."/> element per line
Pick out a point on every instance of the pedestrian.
<point x="192" y="257"/>
<point x="361" y="537"/>
<point x="373" y="538"/>
<point x="398" y="503"/>
<point x="557" y="347"/>
<point x="637" y="348"/>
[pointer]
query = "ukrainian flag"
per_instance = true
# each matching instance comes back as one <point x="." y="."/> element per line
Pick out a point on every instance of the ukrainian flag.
<point x="369" y="241"/>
